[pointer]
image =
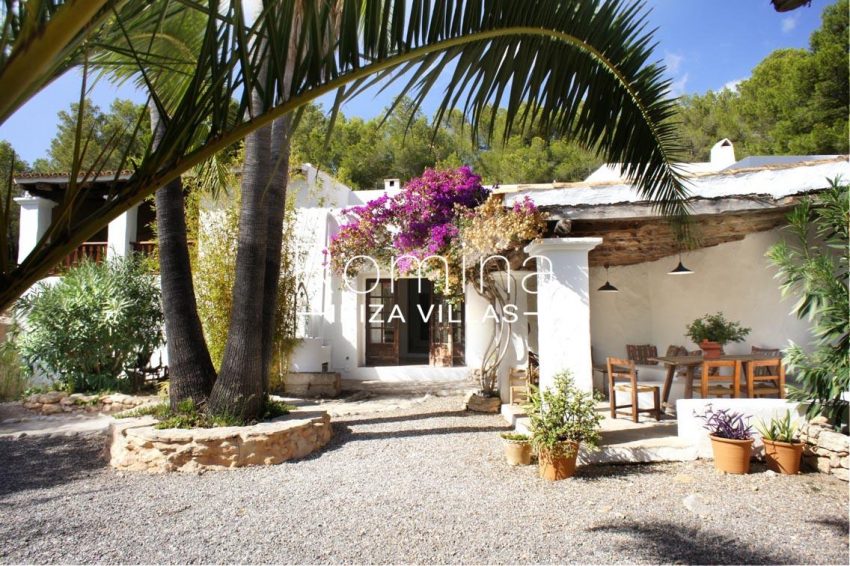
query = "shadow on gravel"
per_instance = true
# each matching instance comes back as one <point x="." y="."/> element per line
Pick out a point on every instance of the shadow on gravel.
<point x="45" y="461"/>
<point x="674" y="543"/>
<point x="840" y="526"/>
<point x="605" y="472"/>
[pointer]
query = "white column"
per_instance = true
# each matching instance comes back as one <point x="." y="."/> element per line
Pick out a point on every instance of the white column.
<point x="122" y="232"/>
<point x="563" y="308"/>
<point x="35" y="219"/>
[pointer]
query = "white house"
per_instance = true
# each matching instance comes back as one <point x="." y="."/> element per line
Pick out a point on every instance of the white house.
<point x="738" y="209"/>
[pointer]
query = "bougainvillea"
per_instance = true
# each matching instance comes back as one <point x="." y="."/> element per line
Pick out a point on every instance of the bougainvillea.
<point x="421" y="221"/>
<point x="447" y="214"/>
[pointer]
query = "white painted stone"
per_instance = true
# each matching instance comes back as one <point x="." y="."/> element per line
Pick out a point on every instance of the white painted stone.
<point x="122" y="233"/>
<point x="36" y="214"/>
<point x="690" y="427"/>
<point x="563" y="308"/>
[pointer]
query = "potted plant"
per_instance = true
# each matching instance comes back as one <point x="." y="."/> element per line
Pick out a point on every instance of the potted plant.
<point x="731" y="439"/>
<point x="562" y="417"/>
<point x="517" y="448"/>
<point x="782" y="450"/>
<point x="713" y="331"/>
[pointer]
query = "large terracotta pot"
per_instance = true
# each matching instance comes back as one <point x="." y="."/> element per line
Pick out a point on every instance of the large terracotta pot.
<point x="518" y="453"/>
<point x="558" y="466"/>
<point x="783" y="457"/>
<point x="710" y="350"/>
<point x="732" y="456"/>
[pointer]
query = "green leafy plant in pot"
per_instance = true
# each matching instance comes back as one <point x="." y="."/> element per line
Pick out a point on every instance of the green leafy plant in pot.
<point x="731" y="439"/>
<point x="782" y="448"/>
<point x="517" y="448"/>
<point x="713" y="331"/>
<point x="562" y="417"/>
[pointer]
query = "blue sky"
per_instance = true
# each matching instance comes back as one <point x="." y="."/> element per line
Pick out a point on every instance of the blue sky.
<point x="705" y="44"/>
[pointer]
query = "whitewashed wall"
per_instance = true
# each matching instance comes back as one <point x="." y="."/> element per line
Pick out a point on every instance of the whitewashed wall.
<point x="654" y="308"/>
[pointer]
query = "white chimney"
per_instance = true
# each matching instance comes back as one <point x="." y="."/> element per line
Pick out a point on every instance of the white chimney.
<point x="392" y="184"/>
<point x="723" y="154"/>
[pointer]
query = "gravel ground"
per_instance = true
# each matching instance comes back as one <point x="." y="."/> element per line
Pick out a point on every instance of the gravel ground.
<point x="424" y="484"/>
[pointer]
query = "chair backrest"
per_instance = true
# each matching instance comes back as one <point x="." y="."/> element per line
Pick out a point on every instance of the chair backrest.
<point x="621" y="369"/>
<point x="767" y="368"/>
<point x="676" y="351"/>
<point x="641" y="353"/>
<point x="711" y="368"/>
<point x="767" y="352"/>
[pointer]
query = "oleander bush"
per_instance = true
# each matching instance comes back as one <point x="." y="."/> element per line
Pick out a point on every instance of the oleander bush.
<point x="95" y="328"/>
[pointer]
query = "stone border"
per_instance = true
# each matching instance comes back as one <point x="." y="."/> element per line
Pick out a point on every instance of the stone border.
<point x="825" y="450"/>
<point x="57" y="402"/>
<point x="135" y="445"/>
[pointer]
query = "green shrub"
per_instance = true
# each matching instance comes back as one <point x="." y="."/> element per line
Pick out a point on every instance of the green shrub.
<point x="189" y="415"/>
<point x="94" y="328"/>
<point x="560" y="414"/>
<point x="715" y="328"/>
<point x="13" y="381"/>
<point x="816" y="269"/>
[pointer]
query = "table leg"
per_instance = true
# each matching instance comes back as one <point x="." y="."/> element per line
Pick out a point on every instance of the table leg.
<point x="689" y="384"/>
<point x="668" y="382"/>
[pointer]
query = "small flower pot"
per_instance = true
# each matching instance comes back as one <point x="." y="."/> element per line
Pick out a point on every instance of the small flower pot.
<point x="731" y="456"/>
<point x="560" y="465"/>
<point x="783" y="457"/>
<point x="711" y="350"/>
<point x="518" y="453"/>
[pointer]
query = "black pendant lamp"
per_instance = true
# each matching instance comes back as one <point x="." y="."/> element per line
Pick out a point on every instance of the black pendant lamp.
<point x="608" y="288"/>
<point x="680" y="269"/>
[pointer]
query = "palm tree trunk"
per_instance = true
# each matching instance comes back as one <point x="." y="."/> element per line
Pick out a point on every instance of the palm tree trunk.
<point x="189" y="364"/>
<point x="239" y="389"/>
<point x="276" y="206"/>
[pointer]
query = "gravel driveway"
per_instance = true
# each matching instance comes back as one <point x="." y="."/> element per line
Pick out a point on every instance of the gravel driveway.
<point x="425" y="484"/>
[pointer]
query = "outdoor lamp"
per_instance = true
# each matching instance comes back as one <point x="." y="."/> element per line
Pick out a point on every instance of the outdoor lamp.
<point x="608" y="288"/>
<point x="680" y="269"/>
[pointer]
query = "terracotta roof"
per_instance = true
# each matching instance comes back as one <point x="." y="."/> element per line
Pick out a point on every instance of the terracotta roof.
<point x="63" y="176"/>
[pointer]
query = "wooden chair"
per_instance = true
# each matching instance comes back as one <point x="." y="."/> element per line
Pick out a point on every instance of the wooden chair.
<point x="711" y="380"/>
<point x="625" y="370"/>
<point x="518" y="386"/>
<point x="769" y="372"/>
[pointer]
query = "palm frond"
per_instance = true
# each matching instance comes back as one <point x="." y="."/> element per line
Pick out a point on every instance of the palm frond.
<point x="583" y="68"/>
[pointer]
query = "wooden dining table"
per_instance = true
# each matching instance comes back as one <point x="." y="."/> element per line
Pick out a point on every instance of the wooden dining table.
<point x="690" y="363"/>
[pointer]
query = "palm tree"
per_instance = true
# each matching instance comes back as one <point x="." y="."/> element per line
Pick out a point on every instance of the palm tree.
<point x="582" y="68"/>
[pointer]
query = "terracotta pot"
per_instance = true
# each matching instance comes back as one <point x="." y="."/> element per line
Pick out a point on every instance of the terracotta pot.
<point x="710" y="350"/>
<point x="560" y="466"/>
<point x="518" y="453"/>
<point x="731" y="456"/>
<point x="782" y="457"/>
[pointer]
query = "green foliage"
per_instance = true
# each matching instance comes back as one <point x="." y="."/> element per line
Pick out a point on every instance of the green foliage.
<point x="814" y="266"/>
<point x="563" y="413"/>
<point x="795" y="101"/>
<point x="715" y="328"/>
<point x="515" y="437"/>
<point x="95" y="327"/>
<point x="214" y="271"/>
<point x="189" y="415"/>
<point x="782" y="429"/>
<point x="364" y="153"/>
<point x="10" y="212"/>
<point x="115" y="129"/>
<point x="13" y="380"/>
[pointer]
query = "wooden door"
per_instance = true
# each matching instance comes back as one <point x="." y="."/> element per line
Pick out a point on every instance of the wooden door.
<point x="381" y="332"/>
<point x="447" y="334"/>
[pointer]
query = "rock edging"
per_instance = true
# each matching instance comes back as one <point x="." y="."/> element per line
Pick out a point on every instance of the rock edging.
<point x="56" y="402"/>
<point x="135" y="445"/>
<point x="825" y="450"/>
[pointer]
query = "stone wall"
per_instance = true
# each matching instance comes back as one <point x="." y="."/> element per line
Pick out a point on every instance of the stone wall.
<point x="135" y="445"/>
<point x="825" y="450"/>
<point x="56" y="402"/>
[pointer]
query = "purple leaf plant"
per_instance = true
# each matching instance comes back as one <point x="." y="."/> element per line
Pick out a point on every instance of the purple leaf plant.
<point x="726" y="423"/>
